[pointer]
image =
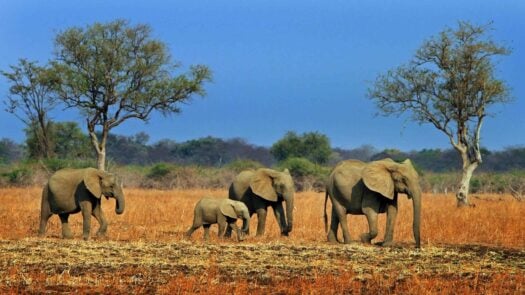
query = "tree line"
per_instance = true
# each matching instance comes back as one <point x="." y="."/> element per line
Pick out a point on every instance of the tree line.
<point x="69" y="142"/>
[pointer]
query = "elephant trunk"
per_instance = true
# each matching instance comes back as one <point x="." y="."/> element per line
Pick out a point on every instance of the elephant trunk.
<point x="416" y="199"/>
<point x="119" y="196"/>
<point x="245" y="222"/>
<point x="289" y="212"/>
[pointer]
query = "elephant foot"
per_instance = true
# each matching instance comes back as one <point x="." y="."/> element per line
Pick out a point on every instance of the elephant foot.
<point x="365" y="238"/>
<point x="102" y="237"/>
<point x="385" y="244"/>
<point x="101" y="234"/>
<point x="332" y="238"/>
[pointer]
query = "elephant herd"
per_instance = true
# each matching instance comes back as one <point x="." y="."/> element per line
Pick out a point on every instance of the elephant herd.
<point x="354" y="187"/>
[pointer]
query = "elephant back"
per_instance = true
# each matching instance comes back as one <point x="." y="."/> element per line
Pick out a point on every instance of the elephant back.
<point x="241" y="185"/>
<point x="64" y="182"/>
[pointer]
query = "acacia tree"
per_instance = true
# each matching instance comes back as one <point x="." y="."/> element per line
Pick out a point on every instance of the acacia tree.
<point x="450" y="83"/>
<point x="113" y="72"/>
<point x="30" y="99"/>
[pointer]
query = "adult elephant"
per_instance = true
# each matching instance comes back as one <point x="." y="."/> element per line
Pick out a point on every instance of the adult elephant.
<point x="359" y="188"/>
<point x="70" y="191"/>
<point x="263" y="188"/>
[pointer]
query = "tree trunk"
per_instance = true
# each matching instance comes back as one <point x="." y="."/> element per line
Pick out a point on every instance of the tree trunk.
<point x="100" y="148"/>
<point x="101" y="159"/>
<point x="462" y="195"/>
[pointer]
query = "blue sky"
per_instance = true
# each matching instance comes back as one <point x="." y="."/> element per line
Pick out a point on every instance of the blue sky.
<point x="282" y="65"/>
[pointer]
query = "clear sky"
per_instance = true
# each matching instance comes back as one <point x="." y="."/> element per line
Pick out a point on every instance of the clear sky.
<point x="282" y="65"/>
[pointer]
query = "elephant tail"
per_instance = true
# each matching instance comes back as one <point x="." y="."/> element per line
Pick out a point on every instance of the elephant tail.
<point x="325" y="216"/>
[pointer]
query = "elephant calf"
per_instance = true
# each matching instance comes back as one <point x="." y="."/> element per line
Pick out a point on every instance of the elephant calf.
<point x="224" y="212"/>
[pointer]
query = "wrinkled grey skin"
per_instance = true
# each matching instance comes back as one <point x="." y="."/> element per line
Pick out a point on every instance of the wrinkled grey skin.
<point x="224" y="212"/>
<point x="263" y="188"/>
<point x="359" y="188"/>
<point x="70" y="191"/>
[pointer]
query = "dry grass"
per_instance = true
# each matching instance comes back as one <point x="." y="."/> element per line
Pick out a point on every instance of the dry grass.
<point x="475" y="250"/>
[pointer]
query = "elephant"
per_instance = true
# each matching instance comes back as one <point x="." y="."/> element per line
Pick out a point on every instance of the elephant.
<point x="224" y="212"/>
<point x="264" y="187"/>
<point x="70" y="191"/>
<point x="359" y="188"/>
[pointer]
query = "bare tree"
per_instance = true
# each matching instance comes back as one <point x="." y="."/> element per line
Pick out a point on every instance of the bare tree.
<point x="113" y="72"/>
<point x="450" y="83"/>
<point x="30" y="99"/>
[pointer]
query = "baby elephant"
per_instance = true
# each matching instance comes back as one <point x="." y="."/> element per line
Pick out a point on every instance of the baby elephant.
<point x="223" y="212"/>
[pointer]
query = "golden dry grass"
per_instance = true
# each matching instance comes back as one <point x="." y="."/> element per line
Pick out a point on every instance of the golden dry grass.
<point x="474" y="250"/>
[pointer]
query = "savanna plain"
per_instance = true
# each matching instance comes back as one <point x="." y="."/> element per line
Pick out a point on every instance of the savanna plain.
<point x="478" y="250"/>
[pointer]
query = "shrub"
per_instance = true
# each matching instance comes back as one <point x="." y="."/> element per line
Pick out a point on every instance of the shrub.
<point x="159" y="171"/>
<point x="243" y="164"/>
<point x="299" y="167"/>
<point x="56" y="164"/>
<point x="19" y="176"/>
<point x="306" y="175"/>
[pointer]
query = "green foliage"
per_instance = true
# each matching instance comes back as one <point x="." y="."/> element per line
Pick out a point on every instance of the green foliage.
<point x="159" y="171"/>
<point x="243" y="164"/>
<point x="128" y="149"/>
<point x="56" y="164"/>
<point x="65" y="139"/>
<point x="113" y="72"/>
<point x="300" y="167"/>
<point x="313" y="146"/>
<point x="212" y="151"/>
<point x="20" y="175"/>
<point x="70" y="141"/>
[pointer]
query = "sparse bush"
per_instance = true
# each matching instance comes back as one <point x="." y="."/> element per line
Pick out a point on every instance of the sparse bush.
<point x="159" y="171"/>
<point x="19" y="176"/>
<point x="56" y="164"/>
<point x="306" y="175"/>
<point x="300" y="167"/>
<point x="243" y="164"/>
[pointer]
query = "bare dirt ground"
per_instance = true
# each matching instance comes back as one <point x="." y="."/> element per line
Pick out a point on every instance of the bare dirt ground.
<point x="479" y="250"/>
<point x="36" y="265"/>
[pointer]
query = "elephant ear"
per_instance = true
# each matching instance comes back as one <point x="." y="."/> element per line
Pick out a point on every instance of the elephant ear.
<point x="261" y="185"/>
<point x="228" y="210"/>
<point x="378" y="178"/>
<point x="92" y="179"/>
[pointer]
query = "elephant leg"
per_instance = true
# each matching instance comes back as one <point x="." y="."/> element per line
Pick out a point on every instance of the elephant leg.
<point x="261" y="221"/>
<point x="334" y="227"/>
<point x="371" y="216"/>
<point x="340" y="214"/>
<point x="45" y="214"/>
<point x="87" y="209"/>
<point x="99" y="216"/>
<point x="206" y="231"/>
<point x="66" y="231"/>
<point x="278" y="211"/>
<point x="222" y="228"/>
<point x="234" y="227"/>
<point x="391" y="214"/>
<point x="228" y="232"/>
<point x="190" y="231"/>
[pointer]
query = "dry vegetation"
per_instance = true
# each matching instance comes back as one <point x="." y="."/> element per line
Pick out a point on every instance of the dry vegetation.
<point x="477" y="250"/>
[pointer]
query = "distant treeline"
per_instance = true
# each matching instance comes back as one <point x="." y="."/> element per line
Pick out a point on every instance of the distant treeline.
<point x="217" y="152"/>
